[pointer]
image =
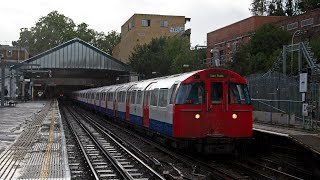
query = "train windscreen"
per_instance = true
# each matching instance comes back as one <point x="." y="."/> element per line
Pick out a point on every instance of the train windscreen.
<point x="239" y="94"/>
<point x="192" y="93"/>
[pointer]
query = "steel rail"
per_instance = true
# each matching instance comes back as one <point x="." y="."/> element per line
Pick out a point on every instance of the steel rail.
<point x="185" y="159"/>
<point x="82" y="148"/>
<point x="111" y="136"/>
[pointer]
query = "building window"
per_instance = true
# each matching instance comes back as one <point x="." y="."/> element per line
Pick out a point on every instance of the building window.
<point x="145" y="22"/>
<point x="9" y="53"/>
<point x="130" y="25"/>
<point x="163" y="23"/>
<point x="306" y="22"/>
<point x="292" y="26"/>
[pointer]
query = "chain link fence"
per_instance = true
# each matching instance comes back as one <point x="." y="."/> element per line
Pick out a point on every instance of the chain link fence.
<point x="276" y="99"/>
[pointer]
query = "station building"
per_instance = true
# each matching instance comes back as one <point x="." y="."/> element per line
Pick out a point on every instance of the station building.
<point x="223" y="42"/>
<point x="142" y="28"/>
<point x="11" y="55"/>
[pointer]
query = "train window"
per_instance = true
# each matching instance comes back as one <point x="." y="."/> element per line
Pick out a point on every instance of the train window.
<point x="123" y="96"/>
<point x="119" y="96"/>
<point x="190" y="93"/>
<point x="133" y="97"/>
<point x="173" y="89"/>
<point x="238" y="94"/>
<point x="216" y="93"/>
<point x="154" y="97"/>
<point x="139" y="97"/>
<point x="163" y="94"/>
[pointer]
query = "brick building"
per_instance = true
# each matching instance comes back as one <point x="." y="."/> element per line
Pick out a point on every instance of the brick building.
<point x="304" y="26"/>
<point x="13" y="53"/>
<point x="223" y="42"/>
<point x="142" y="28"/>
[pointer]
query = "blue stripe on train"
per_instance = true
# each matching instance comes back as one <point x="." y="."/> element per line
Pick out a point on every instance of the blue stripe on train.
<point x="121" y="115"/>
<point x="134" y="119"/>
<point x="161" y="127"/>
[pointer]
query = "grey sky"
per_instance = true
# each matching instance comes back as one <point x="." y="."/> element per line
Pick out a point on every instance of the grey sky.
<point x="107" y="15"/>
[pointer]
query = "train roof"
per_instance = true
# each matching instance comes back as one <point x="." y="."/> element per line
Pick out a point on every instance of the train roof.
<point x="165" y="82"/>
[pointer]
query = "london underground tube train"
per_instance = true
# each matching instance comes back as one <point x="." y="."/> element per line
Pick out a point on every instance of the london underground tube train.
<point x="208" y="110"/>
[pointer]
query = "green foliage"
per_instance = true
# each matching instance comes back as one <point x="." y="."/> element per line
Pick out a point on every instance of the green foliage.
<point x="307" y="5"/>
<point x="164" y="56"/>
<point x="55" y="29"/>
<point x="275" y="7"/>
<point x="315" y="45"/>
<point x="261" y="52"/>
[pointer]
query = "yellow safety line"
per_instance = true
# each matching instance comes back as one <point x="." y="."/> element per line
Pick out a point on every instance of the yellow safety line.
<point x="47" y="157"/>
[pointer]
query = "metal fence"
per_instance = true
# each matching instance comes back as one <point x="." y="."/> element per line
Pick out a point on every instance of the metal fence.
<point x="277" y="100"/>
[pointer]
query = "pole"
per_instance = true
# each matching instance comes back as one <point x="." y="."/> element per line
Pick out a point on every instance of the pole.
<point x="292" y="49"/>
<point x="2" y="81"/>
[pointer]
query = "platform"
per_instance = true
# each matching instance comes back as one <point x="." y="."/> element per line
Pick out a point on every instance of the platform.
<point x="36" y="146"/>
<point x="309" y="140"/>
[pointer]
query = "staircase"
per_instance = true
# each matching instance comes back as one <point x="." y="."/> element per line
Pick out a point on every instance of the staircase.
<point x="309" y="56"/>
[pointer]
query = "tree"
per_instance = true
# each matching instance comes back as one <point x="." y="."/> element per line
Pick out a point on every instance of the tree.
<point x="165" y="56"/>
<point x="307" y="5"/>
<point x="261" y="52"/>
<point x="275" y="7"/>
<point x="55" y="29"/>
<point x="107" y="42"/>
<point x="258" y="7"/>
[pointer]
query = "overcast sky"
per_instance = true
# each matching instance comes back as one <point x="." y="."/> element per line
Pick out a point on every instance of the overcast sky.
<point x="107" y="15"/>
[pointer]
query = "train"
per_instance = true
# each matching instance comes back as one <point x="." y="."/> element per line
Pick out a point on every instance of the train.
<point x="206" y="110"/>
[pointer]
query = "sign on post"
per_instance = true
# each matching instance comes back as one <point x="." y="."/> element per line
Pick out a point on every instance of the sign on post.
<point x="303" y="82"/>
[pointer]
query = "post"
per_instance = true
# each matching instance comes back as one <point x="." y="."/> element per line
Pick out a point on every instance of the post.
<point x="297" y="31"/>
<point x="2" y="80"/>
<point x="284" y="59"/>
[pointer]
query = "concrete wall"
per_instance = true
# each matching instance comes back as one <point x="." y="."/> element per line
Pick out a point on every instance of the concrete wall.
<point x="274" y="118"/>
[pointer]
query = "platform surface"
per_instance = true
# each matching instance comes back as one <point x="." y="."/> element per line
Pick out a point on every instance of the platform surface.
<point x="33" y="145"/>
<point x="308" y="139"/>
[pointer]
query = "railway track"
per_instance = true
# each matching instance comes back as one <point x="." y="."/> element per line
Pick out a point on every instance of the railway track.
<point x="191" y="167"/>
<point x="196" y="168"/>
<point x="105" y="156"/>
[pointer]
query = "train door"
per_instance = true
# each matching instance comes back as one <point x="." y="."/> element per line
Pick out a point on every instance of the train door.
<point x="171" y="102"/>
<point x="106" y="102"/>
<point x="100" y="97"/>
<point x="139" y="108"/>
<point x="216" y="105"/>
<point x="146" y="98"/>
<point x="128" y="105"/>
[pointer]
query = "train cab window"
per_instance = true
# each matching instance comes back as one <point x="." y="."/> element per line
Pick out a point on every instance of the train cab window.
<point x="139" y="97"/>
<point x="154" y="97"/>
<point x="216" y="93"/>
<point x="238" y="94"/>
<point x="163" y="95"/>
<point x="190" y="93"/>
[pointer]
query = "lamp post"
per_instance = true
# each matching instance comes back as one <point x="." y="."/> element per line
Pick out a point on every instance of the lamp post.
<point x="297" y="31"/>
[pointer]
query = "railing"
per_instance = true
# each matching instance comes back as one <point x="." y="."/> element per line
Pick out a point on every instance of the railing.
<point x="284" y="112"/>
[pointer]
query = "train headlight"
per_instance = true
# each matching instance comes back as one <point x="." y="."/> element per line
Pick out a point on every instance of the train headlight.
<point x="197" y="116"/>
<point x="234" y="116"/>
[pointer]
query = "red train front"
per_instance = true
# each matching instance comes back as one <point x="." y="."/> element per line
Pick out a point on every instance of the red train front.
<point x="213" y="103"/>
